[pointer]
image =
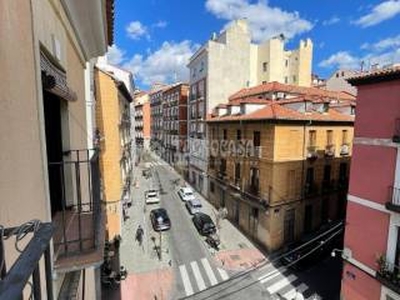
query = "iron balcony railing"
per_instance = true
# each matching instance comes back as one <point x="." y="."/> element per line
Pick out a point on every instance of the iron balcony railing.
<point x="393" y="202"/>
<point x="78" y="219"/>
<point x="344" y="149"/>
<point x="26" y="269"/>
<point x="312" y="152"/>
<point x="330" y="150"/>
<point x="310" y="189"/>
<point x="388" y="274"/>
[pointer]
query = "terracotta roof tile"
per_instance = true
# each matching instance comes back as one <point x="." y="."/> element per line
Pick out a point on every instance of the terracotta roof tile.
<point x="376" y="75"/>
<point x="280" y="87"/>
<point x="276" y="111"/>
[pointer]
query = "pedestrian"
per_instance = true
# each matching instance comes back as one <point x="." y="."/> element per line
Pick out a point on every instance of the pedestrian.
<point x="139" y="235"/>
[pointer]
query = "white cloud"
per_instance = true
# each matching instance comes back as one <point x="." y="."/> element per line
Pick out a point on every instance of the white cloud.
<point x="381" y="12"/>
<point x="265" y="21"/>
<point x="136" y="30"/>
<point x="340" y="60"/>
<point x="163" y="65"/>
<point x="382" y="45"/>
<point x="115" y="55"/>
<point x="344" y="60"/>
<point x="160" y="24"/>
<point x="331" y="21"/>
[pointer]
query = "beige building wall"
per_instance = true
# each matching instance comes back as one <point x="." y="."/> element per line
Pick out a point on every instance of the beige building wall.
<point x="282" y="175"/>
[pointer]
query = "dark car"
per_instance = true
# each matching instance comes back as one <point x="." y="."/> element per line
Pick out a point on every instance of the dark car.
<point x="159" y="219"/>
<point x="204" y="224"/>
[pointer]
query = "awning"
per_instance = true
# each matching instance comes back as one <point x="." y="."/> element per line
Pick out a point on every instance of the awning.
<point x="54" y="78"/>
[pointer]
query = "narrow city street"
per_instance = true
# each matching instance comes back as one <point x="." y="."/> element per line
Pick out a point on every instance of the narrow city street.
<point x="187" y="268"/>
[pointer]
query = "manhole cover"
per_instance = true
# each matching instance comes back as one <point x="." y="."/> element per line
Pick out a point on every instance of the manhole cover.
<point x="235" y="257"/>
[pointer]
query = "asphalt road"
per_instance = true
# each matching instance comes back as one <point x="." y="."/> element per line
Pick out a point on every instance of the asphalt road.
<point x="198" y="277"/>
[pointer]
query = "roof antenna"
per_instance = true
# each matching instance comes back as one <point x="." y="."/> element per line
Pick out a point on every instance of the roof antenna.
<point x="362" y="66"/>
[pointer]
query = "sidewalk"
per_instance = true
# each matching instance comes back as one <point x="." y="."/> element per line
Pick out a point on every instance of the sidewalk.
<point x="237" y="252"/>
<point x="148" y="276"/>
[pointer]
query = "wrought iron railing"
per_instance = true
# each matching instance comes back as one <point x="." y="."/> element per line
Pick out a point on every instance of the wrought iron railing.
<point x="24" y="274"/>
<point x="312" y="152"/>
<point x="78" y="216"/>
<point x="330" y="150"/>
<point x="388" y="274"/>
<point x="394" y="196"/>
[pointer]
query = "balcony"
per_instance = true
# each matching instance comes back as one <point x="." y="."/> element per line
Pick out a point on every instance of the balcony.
<point x="345" y="149"/>
<point x="330" y="150"/>
<point x="393" y="202"/>
<point x="253" y="189"/>
<point x="388" y="274"/>
<point x="255" y="152"/>
<point x="78" y="219"/>
<point x="312" y="152"/>
<point x="14" y="281"/>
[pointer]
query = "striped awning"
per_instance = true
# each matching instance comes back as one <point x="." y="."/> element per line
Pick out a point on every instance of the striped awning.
<point x="54" y="78"/>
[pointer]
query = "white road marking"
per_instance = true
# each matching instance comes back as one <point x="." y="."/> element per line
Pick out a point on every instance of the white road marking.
<point x="290" y="294"/>
<point x="272" y="274"/>
<point x="186" y="281"/>
<point x="281" y="284"/>
<point x="223" y="274"/>
<point x="209" y="271"/>
<point x="199" y="279"/>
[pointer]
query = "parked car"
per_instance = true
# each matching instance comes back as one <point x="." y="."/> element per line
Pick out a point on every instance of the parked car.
<point x="204" y="224"/>
<point x="193" y="206"/>
<point x="159" y="219"/>
<point x="151" y="197"/>
<point x="186" y="194"/>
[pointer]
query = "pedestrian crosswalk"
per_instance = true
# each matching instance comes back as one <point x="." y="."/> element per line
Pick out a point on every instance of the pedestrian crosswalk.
<point x="158" y="163"/>
<point x="280" y="281"/>
<point x="199" y="275"/>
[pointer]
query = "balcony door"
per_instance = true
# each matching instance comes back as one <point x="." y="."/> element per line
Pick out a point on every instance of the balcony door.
<point x="308" y="218"/>
<point x="54" y="148"/>
<point x="253" y="221"/>
<point x="254" y="179"/>
<point x="288" y="226"/>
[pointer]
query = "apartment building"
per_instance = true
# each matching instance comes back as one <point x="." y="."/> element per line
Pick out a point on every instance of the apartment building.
<point x="371" y="247"/>
<point x="113" y="123"/>
<point x="156" y="117"/>
<point x="142" y="120"/>
<point x="48" y="173"/>
<point x="174" y="126"/>
<point x="214" y="76"/>
<point x="280" y="165"/>
<point x="338" y="81"/>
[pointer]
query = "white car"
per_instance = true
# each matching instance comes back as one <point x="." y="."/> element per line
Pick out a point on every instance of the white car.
<point x="186" y="194"/>
<point x="193" y="206"/>
<point x="151" y="197"/>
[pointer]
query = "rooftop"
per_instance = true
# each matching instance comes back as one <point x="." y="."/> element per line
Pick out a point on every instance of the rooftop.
<point x="374" y="76"/>
<point x="291" y="89"/>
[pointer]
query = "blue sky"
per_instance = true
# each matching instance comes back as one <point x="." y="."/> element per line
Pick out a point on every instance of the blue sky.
<point x="155" y="38"/>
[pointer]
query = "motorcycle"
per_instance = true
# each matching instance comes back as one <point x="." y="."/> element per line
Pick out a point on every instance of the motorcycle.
<point x="213" y="241"/>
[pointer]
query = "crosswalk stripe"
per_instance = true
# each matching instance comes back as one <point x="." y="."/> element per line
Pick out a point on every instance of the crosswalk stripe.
<point x="280" y="284"/>
<point x="209" y="271"/>
<point x="290" y="294"/>
<point x="272" y="274"/>
<point x="199" y="280"/>
<point x="186" y="281"/>
<point x="223" y="274"/>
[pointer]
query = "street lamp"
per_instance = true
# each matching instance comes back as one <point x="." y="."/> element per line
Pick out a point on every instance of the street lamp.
<point x="344" y="253"/>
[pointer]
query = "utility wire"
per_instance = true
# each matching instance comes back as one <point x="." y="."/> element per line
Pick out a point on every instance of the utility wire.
<point x="276" y="271"/>
<point x="266" y="262"/>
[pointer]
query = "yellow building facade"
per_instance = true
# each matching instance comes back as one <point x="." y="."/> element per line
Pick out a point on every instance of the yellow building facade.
<point x="289" y="178"/>
<point x="113" y="125"/>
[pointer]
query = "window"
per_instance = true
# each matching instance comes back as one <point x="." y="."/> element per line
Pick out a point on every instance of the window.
<point x="265" y="66"/>
<point x="225" y="136"/>
<point x="257" y="139"/>
<point x="238" y="134"/>
<point x="212" y="187"/>
<point x="327" y="173"/>
<point x="344" y="137"/>
<point x="222" y="168"/>
<point x="310" y="176"/>
<point x="294" y="78"/>
<point x="264" y="82"/>
<point x="286" y="63"/>
<point x="329" y="137"/>
<point x="237" y="171"/>
<point x="286" y="79"/>
<point x="312" y="138"/>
